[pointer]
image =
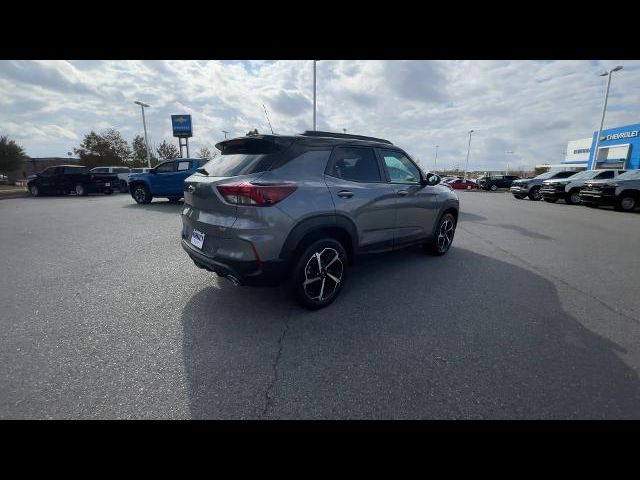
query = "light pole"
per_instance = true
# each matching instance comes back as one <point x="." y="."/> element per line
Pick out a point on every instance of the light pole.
<point x="508" y="152"/>
<point x="604" y="109"/>
<point x="435" y="160"/>
<point x="314" y="94"/>
<point x="225" y="134"/>
<point x="144" y="124"/>
<point x="344" y="130"/>
<point x="468" y="149"/>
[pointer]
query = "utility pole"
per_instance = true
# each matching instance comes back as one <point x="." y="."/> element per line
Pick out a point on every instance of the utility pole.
<point x="468" y="149"/>
<point x="225" y="134"/>
<point x="435" y="160"/>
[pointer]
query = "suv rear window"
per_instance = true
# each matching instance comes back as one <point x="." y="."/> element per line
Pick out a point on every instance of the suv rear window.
<point x="243" y="157"/>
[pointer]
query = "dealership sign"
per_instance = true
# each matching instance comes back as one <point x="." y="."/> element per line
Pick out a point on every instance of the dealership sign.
<point x="181" y="125"/>
<point x="617" y="136"/>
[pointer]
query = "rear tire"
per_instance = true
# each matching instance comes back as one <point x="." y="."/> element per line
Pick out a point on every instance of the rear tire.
<point x="493" y="188"/>
<point x="141" y="194"/>
<point x="626" y="202"/>
<point x="573" y="197"/>
<point x="319" y="273"/>
<point x="441" y="242"/>
<point x="534" y="194"/>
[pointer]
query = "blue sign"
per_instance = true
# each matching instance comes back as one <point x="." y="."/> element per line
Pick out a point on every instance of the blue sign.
<point x="181" y="125"/>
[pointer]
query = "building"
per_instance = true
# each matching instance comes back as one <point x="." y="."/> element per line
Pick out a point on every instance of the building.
<point x="619" y="147"/>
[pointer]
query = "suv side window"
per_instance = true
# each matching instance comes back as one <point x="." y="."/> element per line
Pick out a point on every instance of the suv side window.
<point x="400" y="168"/>
<point x="184" y="165"/>
<point x="608" y="174"/>
<point x="166" y="167"/>
<point x="356" y="164"/>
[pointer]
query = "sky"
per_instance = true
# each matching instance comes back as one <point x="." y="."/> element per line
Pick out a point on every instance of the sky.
<point x="530" y="108"/>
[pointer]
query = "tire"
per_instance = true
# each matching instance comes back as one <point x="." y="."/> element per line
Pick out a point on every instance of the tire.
<point x="626" y="202"/>
<point x="493" y="187"/>
<point x="573" y="197"/>
<point x="534" y="194"/>
<point x="141" y="194"/>
<point x="311" y="283"/>
<point x="80" y="190"/>
<point x="34" y="191"/>
<point x="550" y="200"/>
<point x="174" y="199"/>
<point x="441" y="242"/>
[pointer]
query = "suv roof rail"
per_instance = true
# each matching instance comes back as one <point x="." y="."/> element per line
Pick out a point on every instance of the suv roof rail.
<point x="317" y="133"/>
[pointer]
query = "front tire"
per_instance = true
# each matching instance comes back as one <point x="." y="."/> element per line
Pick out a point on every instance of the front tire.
<point x="626" y="202"/>
<point x="441" y="242"/>
<point x="534" y="194"/>
<point x="319" y="273"/>
<point x="493" y="188"/>
<point x="80" y="190"/>
<point x="34" y="191"/>
<point x="573" y="197"/>
<point x="141" y="194"/>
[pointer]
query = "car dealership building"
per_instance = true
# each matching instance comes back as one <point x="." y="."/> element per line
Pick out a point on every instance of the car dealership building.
<point x="619" y="147"/>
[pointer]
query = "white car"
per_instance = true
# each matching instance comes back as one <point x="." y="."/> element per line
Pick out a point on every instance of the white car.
<point x="122" y="172"/>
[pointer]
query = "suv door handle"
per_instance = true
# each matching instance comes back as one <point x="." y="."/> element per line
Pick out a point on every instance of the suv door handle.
<point x="403" y="193"/>
<point x="345" y="194"/>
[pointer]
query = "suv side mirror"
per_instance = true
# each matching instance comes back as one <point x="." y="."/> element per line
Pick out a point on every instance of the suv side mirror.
<point x="432" y="179"/>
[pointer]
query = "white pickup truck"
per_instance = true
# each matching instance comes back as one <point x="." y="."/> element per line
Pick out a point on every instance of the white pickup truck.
<point x="122" y="172"/>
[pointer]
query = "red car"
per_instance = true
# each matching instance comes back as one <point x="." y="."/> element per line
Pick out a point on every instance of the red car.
<point x="458" y="184"/>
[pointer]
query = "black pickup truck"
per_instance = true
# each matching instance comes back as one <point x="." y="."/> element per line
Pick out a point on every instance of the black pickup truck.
<point x="64" y="179"/>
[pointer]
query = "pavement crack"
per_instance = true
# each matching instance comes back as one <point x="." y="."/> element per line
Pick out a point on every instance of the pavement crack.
<point x="268" y="395"/>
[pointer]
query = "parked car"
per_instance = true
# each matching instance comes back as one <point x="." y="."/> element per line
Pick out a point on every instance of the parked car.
<point x="63" y="179"/>
<point x="165" y="180"/>
<point x="494" y="182"/>
<point x="301" y="207"/>
<point x="461" y="184"/>
<point x="121" y="172"/>
<point x="568" y="189"/>
<point x="622" y="192"/>
<point x="140" y="169"/>
<point x="530" y="187"/>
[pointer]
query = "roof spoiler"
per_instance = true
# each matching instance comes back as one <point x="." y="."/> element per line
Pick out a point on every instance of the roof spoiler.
<point x="316" y="133"/>
<point x="254" y="143"/>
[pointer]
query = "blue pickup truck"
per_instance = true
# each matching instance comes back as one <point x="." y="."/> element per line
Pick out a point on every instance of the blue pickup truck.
<point x="165" y="180"/>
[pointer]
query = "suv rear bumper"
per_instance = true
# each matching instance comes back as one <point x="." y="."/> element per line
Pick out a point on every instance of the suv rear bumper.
<point x="266" y="274"/>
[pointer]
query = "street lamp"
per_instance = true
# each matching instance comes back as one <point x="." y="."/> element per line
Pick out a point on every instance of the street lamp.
<point x="508" y="152"/>
<point x="314" y="94"/>
<point x="604" y="109"/>
<point x="144" y="124"/>
<point x="435" y="160"/>
<point x="225" y="134"/>
<point x="468" y="149"/>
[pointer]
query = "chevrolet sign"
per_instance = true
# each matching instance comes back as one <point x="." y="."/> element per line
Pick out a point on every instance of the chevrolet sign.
<point x="181" y="125"/>
<point x="617" y="136"/>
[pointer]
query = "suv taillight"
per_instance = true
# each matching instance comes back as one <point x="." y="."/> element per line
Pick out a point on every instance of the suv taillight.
<point x="257" y="195"/>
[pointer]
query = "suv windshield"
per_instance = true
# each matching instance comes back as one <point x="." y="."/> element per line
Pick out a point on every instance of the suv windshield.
<point x="585" y="174"/>
<point x="556" y="174"/>
<point x="630" y="175"/>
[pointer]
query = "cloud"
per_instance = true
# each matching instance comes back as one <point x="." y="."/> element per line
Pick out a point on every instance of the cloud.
<point x="530" y="107"/>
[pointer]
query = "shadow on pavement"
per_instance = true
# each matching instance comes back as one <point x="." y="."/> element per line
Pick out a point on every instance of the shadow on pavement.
<point x="157" y="206"/>
<point x="412" y="336"/>
<point x="472" y="218"/>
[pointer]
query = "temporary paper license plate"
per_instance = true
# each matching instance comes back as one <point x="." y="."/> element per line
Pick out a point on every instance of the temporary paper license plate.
<point x="197" y="239"/>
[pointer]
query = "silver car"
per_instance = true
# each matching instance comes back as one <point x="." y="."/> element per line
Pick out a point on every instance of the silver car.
<point x="302" y="207"/>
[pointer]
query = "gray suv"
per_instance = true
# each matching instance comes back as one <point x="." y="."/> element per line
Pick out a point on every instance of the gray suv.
<point x="530" y="187"/>
<point x="301" y="207"/>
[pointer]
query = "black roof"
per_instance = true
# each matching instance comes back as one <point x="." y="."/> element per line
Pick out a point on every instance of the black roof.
<point x="311" y="137"/>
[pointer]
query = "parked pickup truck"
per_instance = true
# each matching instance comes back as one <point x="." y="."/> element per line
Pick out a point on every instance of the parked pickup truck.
<point x="568" y="189"/>
<point x="622" y="192"/>
<point x="121" y="172"/>
<point x="165" y="180"/>
<point x="530" y="187"/>
<point x="64" y="179"/>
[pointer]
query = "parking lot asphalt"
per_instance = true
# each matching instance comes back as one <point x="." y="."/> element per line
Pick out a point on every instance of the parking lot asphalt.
<point x="534" y="313"/>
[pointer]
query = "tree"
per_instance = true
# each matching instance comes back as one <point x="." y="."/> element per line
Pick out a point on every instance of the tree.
<point x="252" y="132"/>
<point x="205" y="153"/>
<point x="11" y="155"/>
<point x="106" y="148"/>
<point x="538" y="170"/>
<point x="139" y="156"/>
<point x="167" y="151"/>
